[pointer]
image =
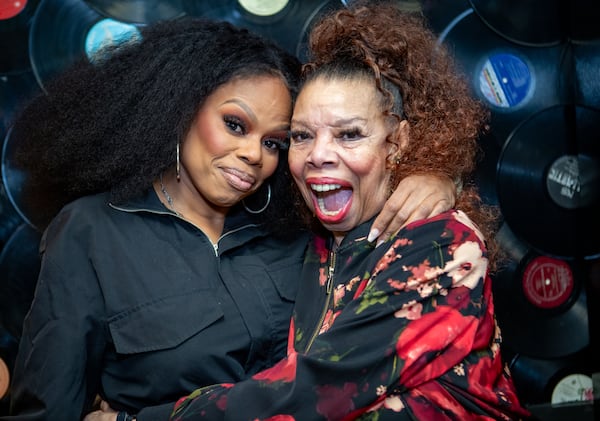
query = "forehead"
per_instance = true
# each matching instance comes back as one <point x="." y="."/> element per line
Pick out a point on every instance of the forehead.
<point x="357" y="96"/>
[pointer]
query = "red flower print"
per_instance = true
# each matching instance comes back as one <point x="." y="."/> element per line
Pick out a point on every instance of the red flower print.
<point x="284" y="370"/>
<point x="222" y="402"/>
<point x="328" y="320"/>
<point x="278" y="418"/>
<point x="321" y="249"/>
<point x="410" y="312"/>
<point x="385" y="261"/>
<point x="334" y="403"/>
<point x="322" y="277"/>
<point x="444" y="330"/>
<point x="458" y="297"/>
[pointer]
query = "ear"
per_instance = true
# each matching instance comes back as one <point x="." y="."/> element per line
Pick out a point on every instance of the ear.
<point x="398" y="141"/>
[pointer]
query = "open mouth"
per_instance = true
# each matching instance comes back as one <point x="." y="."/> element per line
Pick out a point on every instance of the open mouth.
<point x="331" y="199"/>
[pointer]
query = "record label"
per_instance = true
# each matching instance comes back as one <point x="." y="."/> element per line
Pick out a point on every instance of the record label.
<point x="573" y="388"/>
<point x="4" y="378"/>
<point x="563" y="182"/>
<point x="107" y="32"/>
<point x="505" y="80"/>
<point x="263" y="7"/>
<point x="547" y="282"/>
<point x="11" y="8"/>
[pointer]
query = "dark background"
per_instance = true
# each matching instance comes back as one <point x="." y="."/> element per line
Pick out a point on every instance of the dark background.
<point x="535" y="63"/>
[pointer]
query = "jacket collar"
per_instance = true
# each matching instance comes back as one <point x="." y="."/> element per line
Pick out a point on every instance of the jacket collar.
<point x="149" y="202"/>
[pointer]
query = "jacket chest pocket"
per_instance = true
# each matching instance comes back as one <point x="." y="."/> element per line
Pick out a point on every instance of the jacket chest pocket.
<point x="163" y="323"/>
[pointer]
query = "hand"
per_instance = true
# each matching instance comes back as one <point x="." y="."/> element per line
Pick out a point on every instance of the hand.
<point x="417" y="197"/>
<point x="105" y="413"/>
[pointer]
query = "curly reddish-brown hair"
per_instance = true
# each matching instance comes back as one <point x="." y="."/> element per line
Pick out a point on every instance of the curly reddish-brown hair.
<point x="419" y="82"/>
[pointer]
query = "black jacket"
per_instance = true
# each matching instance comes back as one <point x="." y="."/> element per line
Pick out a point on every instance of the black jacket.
<point x="136" y="304"/>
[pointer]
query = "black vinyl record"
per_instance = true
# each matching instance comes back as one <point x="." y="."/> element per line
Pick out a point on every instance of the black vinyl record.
<point x="13" y="180"/>
<point x="541" y="306"/>
<point x="541" y="22"/>
<point x="15" y="19"/>
<point x="553" y="380"/>
<point x="8" y="353"/>
<point x="532" y="22"/>
<point x="513" y="81"/>
<point x="15" y="90"/>
<point x="139" y="11"/>
<point x="586" y="79"/>
<point x="548" y="181"/>
<point x="63" y="31"/>
<point x="19" y="269"/>
<point x="286" y="22"/>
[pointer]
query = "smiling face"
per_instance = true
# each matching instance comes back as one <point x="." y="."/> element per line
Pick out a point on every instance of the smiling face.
<point x="338" y="152"/>
<point x="234" y="143"/>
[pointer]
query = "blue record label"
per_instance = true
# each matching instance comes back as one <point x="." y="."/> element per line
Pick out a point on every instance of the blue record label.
<point x="506" y="81"/>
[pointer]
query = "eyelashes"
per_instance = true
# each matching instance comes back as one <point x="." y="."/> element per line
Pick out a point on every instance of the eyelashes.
<point x="238" y="127"/>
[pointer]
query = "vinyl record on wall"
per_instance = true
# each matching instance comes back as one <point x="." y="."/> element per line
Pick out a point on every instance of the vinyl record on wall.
<point x="586" y="80"/>
<point x="15" y="90"/>
<point x="553" y="380"/>
<point x="19" y="269"/>
<point x="138" y="11"/>
<point x="541" y="306"/>
<point x="15" y="18"/>
<point x="13" y="180"/>
<point x="548" y="181"/>
<point x="286" y="22"/>
<point x="583" y="18"/>
<point x="64" y="31"/>
<point x="512" y="80"/>
<point x="532" y="22"/>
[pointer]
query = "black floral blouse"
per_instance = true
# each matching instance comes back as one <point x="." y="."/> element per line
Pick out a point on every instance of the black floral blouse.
<point x="402" y="331"/>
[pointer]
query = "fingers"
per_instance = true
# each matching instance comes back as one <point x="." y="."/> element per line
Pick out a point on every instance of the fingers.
<point x="416" y="197"/>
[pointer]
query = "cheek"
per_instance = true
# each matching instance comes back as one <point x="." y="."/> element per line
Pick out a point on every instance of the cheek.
<point x="269" y="165"/>
<point x="206" y="134"/>
<point x="296" y="163"/>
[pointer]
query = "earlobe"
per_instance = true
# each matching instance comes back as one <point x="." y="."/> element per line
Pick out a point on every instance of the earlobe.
<point x="398" y="142"/>
<point x="403" y="135"/>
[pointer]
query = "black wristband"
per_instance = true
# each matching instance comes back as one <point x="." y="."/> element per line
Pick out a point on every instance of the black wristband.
<point x="124" y="416"/>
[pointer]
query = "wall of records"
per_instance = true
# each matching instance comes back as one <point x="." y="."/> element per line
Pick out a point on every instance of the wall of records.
<point x="535" y="64"/>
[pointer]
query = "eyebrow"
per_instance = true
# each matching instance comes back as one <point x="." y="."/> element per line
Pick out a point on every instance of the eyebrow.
<point x="244" y="106"/>
<point x="337" y="123"/>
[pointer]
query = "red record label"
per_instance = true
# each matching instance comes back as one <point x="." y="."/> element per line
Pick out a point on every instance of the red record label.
<point x="4" y="378"/>
<point x="11" y="8"/>
<point x="547" y="282"/>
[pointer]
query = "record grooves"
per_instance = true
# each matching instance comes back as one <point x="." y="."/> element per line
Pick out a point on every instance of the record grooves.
<point x="287" y="22"/>
<point x="548" y="181"/>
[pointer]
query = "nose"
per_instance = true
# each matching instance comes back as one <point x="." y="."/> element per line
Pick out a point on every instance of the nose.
<point x="322" y="152"/>
<point x="250" y="151"/>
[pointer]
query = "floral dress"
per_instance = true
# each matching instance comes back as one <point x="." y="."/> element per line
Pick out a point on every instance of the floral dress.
<point x="402" y="331"/>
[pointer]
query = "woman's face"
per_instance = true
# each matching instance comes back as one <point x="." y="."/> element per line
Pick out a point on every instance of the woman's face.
<point x="234" y="143"/>
<point x="338" y="152"/>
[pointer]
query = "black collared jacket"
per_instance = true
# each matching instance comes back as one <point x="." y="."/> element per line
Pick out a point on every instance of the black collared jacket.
<point x="135" y="304"/>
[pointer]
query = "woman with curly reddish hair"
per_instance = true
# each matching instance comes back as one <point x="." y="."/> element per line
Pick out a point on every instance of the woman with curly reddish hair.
<point x="406" y="330"/>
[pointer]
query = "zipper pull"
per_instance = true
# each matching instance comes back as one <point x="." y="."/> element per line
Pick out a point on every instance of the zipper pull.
<point x="330" y="272"/>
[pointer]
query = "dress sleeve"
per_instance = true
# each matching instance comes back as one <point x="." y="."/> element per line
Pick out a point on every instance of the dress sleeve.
<point x="56" y="373"/>
<point x="411" y="337"/>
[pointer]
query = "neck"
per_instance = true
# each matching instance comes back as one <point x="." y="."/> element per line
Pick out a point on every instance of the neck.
<point x="188" y="205"/>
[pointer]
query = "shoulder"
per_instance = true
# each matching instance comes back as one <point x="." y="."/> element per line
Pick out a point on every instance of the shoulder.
<point x="452" y="225"/>
<point x="78" y="217"/>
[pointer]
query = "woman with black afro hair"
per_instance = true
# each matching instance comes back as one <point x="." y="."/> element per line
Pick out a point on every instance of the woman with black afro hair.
<point x="173" y="243"/>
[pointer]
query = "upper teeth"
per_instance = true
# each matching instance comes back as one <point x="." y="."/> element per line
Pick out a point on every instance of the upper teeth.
<point x="325" y="187"/>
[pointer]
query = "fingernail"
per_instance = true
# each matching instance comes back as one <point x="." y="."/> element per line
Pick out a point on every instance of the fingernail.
<point x="380" y="242"/>
<point x="373" y="234"/>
